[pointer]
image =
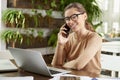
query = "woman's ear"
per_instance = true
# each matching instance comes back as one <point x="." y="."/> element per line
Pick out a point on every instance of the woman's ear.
<point x="85" y="16"/>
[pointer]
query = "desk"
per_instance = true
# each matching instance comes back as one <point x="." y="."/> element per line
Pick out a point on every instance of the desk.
<point x="25" y="73"/>
<point x="21" y="72"/>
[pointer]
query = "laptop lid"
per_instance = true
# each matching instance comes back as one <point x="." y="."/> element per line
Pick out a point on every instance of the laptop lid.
<point x="30" y="60"/>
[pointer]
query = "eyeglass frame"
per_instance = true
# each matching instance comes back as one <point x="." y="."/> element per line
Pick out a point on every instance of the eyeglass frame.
<point x="76" y="15"/>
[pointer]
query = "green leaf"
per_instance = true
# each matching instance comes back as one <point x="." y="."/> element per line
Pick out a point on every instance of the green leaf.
<point x="53" y="4"/>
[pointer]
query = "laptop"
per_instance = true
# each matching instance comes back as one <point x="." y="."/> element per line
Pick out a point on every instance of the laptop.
<point x="7" y="66"/>
<point x="33" y="61"/>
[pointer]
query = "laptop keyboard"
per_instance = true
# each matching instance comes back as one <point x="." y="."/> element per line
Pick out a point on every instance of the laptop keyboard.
<point x="54" y="72"/>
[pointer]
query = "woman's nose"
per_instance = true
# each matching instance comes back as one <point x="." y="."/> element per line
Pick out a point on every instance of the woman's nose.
<point x="70" y="22"/>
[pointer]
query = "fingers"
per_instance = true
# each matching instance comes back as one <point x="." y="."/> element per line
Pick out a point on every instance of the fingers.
<point x="62" y="33"/>
<point x="62" y="29"/>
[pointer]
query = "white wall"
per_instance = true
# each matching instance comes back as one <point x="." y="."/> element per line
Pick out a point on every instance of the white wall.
<point x="3" y="5"/>
<point x="4" y="54"/>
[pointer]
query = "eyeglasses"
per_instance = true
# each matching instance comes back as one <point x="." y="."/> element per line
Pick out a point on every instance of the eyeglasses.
<point x="72" y="17"/>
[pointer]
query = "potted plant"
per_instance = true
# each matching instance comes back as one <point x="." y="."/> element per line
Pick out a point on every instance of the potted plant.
<point x="14" y="18"/>
<point x="13" y="37"/>
<point x="36" y="19"/>
<point x="31" y="36"/>
<point x="10" y="35"/>
<point x="21" y="34"/>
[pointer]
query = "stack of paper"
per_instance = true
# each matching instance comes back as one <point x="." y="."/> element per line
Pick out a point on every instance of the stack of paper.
<point x="17" y="78"/>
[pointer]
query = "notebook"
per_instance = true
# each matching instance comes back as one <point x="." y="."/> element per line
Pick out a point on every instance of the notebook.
<point x="6" y="65"/>
<point x="33" y="61"/>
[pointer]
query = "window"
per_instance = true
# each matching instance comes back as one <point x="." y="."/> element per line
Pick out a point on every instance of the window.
<point x="116" y="7"/>
<point x="111" y="16"/>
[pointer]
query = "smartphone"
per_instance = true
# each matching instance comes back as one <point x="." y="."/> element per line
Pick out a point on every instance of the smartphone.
<point x="69" y="78"/>
<point x="67" y="29"/>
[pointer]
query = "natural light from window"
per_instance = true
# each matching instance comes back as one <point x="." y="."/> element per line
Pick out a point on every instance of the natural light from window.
<point x="103" y="6"/>
<point x="116" y="7"/>
<point x="110" y="16"/>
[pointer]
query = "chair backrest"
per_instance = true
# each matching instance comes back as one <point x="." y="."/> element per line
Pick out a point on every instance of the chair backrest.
<point x="110" y="62"/>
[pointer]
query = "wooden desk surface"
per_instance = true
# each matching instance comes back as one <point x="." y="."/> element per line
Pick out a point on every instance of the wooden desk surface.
<point x="21" y="72"/>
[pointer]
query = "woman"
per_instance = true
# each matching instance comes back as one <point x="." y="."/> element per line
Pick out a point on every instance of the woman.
<point x="81" y="49"/>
